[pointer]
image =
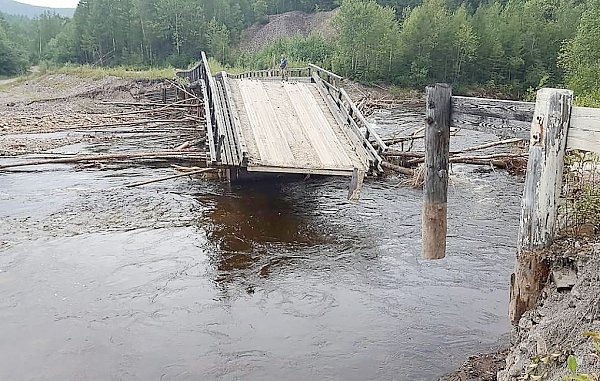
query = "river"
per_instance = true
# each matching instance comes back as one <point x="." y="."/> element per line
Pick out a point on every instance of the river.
<point x="201" y="280"/>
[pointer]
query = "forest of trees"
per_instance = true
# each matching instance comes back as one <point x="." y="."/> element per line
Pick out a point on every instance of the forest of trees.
<point x="505" y="46"/>
<point x="143" y="32"/>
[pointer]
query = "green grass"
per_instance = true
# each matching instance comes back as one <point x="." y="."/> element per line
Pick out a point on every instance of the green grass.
<point x="92" y="72"/>
<point x="15" y="80"/>
<point x="588" y="100"/>
<point x="216" y="67"/>
<point x="87" y="71"/>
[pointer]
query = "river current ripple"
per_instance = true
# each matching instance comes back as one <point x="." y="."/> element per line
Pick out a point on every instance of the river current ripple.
<point x="200" y="280"/>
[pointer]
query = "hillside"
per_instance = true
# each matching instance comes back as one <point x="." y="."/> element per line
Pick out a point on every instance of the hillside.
<point x="287" y="25"/>
<point x="12" y="7"/>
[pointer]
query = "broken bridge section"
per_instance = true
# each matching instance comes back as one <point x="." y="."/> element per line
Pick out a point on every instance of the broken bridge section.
<point x="257" y="123"/>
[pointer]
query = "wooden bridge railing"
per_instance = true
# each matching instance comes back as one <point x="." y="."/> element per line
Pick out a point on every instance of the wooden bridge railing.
<point x="297" y="72"/>
<point x="193" y="75"/>
<point x="352" y="115"/>
<point x="552" y="126"/>
<point x="200" y="75"/>
<point x="235" y="148"/>
<point x="346" y="113"/>
<point x="326" y="75"/>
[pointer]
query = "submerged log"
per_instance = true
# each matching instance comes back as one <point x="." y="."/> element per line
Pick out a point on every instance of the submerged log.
<point x="397" y="168"/>
<point x="204" y="170"/>
<point x="119" y="156"/>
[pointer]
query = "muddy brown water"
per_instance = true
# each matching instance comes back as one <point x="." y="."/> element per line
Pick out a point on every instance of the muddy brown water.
<point x="200" y="280"/>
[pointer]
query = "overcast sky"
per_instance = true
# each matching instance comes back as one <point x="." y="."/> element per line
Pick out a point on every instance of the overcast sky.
<point x="52" y="3"/>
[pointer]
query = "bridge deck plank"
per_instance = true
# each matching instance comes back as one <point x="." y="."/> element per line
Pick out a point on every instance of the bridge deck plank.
<point x="323" y="138"/>
<point x="288" y="128"/>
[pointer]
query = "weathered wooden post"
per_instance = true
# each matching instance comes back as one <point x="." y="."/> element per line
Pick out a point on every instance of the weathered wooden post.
<point x="437" y="152"/>
<point x="540" y="198"/>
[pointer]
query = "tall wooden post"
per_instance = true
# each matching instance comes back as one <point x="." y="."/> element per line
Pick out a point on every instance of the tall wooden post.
<point x="437" y="152"/>
<point x="540" y="198"/>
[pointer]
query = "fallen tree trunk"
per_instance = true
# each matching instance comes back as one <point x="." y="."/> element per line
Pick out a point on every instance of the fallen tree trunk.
<point x="490" y="157"/>
<point x="496" y="163"/>
<point x="394" y="153"/>
<point x="397" y="168"/>
<point x="86" y="158"/>
<point x="488" y="145"/>
<point x="148" y="104"/>
<point x="166" y="107"/>
<point x="402" y="139"/>
<point x="140" y="132"/>
<point x="169" y="177"/>
<point x="459" y="159"/>
<point x="180" y="168"/>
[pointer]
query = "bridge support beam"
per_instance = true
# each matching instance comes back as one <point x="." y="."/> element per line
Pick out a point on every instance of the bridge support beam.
<point x="437" y="153"/>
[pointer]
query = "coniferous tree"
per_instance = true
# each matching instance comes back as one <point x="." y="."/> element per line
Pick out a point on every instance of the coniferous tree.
<point x="12" y="59"/>
<point x="581" y="57"/>
<point x="512" y="46"/>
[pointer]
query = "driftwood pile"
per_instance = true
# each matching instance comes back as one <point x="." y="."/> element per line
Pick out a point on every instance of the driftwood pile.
<point x="367" y="105"/>
<point x="401" y="156"/>
<point x="167" y="125"/>
<point x="172" y="133"/>
<point x="408" y="162"/>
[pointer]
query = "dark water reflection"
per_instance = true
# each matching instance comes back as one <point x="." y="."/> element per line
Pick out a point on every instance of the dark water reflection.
<point x="255" y="215"/>
<point x="195" y="280"/>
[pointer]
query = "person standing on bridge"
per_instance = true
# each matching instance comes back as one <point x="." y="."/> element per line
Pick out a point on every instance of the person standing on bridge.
<point x="283" y="63"/>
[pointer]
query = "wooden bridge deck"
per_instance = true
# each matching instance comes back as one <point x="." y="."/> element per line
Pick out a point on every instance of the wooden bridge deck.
<point x="288" y="127"/>
<point x="307" y="125"/>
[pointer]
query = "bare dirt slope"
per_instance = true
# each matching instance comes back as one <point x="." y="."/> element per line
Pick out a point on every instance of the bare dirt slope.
<point x="547" y="335"/>
<point x="480" y="367"/>
<point x="287" y="25"/>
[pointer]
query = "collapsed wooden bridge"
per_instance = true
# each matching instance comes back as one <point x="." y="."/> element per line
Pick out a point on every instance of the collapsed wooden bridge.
<point x="258" y="124"/>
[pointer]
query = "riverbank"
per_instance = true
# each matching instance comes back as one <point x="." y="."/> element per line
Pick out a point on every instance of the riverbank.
<point x="569" y="307"/>
<point x="479" y="367"/>
<point x="48" y="111"/>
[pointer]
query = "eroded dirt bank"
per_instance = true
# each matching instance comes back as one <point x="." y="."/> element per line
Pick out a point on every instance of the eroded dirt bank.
<point x="555" y="329"/>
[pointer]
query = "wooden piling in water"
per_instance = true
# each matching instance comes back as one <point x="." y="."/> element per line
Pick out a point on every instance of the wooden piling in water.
<point x="437" y="152"/>
<point x="539" y="206"/>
